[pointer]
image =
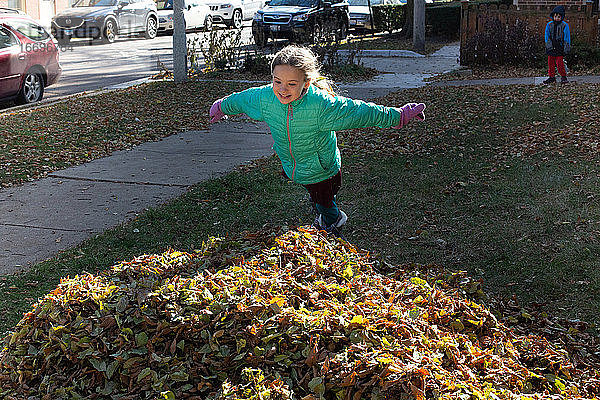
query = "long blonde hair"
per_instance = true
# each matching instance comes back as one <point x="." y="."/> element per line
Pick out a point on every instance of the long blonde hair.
<point x="306" y="61"/>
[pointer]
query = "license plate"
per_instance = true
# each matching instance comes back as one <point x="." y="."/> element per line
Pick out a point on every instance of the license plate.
<point x="275" y="28"/>
<point x="68" y="32"/>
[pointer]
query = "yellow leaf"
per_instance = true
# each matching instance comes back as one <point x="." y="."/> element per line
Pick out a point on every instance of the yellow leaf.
<point x="277" y="300"/>
<point x="348" y="272"/>
<point x="359" y="320"/>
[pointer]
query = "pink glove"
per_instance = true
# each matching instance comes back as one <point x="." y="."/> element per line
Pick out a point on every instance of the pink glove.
<point x="215" y="112"/>
<point x="410" y="111"/>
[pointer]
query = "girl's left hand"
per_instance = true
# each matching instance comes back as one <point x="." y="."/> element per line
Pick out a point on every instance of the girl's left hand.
<point x="410" y="111"/>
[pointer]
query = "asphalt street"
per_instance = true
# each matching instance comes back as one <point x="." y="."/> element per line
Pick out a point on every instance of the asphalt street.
<point x="88" y="67"/>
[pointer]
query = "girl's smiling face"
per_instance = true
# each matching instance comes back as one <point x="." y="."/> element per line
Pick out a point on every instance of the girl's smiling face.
<point x="288" y="83"/>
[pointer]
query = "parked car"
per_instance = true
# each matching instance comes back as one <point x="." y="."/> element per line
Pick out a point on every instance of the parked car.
<point x="196" y="15"/>
<point x="360" y="15"/>
<point x="105" y="19"/>
<point x="301" y="20"/>
<point x="28" y="58"/>
<point x="233" y="12"/>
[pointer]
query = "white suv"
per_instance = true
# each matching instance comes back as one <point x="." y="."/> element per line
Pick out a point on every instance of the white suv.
<point x="233" y="12"/>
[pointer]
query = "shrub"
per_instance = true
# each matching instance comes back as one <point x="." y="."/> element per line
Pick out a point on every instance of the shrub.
<point x="443" y="20"/>
<point x="583" y="54"/>
<point x="500" y="44"/>
<point x="257" y="63"/>
<point x="388" y="17"/>
<point x="221" y="50"/>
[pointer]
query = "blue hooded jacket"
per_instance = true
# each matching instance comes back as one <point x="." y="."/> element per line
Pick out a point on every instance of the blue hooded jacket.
<point x="558" y="36"/>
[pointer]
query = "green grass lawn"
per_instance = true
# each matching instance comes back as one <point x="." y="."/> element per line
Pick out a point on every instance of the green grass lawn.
<point x="501" y="182"/>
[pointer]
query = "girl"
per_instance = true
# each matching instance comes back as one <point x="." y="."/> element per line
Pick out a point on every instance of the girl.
<point x="303" y="114"/>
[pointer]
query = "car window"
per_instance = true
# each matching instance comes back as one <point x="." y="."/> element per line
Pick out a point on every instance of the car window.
<point x="29" y="29"/>
<point x="7" y="39"/>
<point x="299" y="3"/>
<point x="95" y="3"/>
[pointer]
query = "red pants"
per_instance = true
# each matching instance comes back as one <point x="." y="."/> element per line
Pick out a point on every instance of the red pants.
<point x="559" y="63"/>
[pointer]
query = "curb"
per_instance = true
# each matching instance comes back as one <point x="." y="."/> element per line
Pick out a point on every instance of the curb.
<point x="62" y="99"/>
<point x="385" y="53"/>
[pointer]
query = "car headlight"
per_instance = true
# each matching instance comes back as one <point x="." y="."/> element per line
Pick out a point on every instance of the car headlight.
<point x="226" y="5"/>
<point x="170" y="18"/>
<point x="258" y="17"/>
<point x="301" y="17"/>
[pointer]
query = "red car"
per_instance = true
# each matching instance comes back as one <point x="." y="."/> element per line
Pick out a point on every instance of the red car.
<point x="28" y="58"/>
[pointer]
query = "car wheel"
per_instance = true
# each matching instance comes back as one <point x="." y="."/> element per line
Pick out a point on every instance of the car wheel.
<point x="342" y="32"/>
<point x="151" y="28"/>
<point x="236" y="20"/>
<point x="208" y="23"/>
<point x="63" y="39"/>
<point x="316" y="34"/>
<point x="110" y="31"/>
<point x="32" y="89"/>
<point x="260" y="38"/>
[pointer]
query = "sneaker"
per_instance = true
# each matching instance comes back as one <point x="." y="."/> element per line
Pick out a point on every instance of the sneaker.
<point x="318" y="223"/>
<point x="340" y="221"/>
<point x="549" y="80"/>
<point x="333" y="228"/>
<point x="563" y="79"/>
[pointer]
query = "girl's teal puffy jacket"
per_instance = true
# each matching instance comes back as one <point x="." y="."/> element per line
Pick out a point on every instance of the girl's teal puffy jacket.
<point x="304" y="130"/>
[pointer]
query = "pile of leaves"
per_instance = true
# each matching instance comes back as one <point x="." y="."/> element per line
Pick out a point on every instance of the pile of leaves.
<point x="292" y="315"/>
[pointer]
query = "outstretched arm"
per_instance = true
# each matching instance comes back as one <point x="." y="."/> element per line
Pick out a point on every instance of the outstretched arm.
<point x="245" y="102"/>
<point x="339" y="113"/>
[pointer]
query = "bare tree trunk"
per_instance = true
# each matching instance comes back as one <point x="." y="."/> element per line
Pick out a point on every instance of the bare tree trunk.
<point x="407" y="30"/>
<point x="179" y="43"/>
<point x="419" y="26"/>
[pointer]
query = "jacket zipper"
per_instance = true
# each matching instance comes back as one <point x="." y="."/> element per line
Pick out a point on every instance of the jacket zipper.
<point x="290" y="114"/>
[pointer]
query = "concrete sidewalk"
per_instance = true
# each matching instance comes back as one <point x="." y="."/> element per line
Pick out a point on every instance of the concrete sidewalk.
<point x="41" y="218"/>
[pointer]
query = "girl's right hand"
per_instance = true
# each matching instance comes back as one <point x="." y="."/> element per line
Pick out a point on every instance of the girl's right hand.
<point x="215" y="112"/>
<point x="410" y="111"/>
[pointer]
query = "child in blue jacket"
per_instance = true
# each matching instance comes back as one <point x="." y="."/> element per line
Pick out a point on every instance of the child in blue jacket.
<point x="558" y="44"/>
<point x="303" y="114"/>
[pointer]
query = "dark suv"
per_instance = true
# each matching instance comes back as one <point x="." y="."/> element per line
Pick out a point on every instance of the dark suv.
<point x="301" y="20"/>
<point x="105" y="19"/>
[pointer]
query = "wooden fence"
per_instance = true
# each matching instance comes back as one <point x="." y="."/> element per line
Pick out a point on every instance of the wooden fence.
<point x="583" y="23"/>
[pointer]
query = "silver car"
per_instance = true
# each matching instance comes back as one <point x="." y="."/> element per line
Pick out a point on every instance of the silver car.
<point x="196" y="14"/>
<point x="234" y="12"/>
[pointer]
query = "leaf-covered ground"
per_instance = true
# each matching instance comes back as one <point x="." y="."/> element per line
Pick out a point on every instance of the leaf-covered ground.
<point x="38" y="141"/>
<point x="519" y="121"/>
<point x="283" y="315"/>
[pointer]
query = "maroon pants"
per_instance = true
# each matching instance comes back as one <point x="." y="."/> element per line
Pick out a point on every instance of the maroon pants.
<point x="323" y="193"/>
<point x="556" y="62"/>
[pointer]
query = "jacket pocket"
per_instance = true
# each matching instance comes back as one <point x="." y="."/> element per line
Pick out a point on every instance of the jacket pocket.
<point x="324" y="160"/>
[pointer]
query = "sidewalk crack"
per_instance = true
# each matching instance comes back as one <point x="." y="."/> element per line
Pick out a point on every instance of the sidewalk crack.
<point x="76" y="178"/>
<point x="46" y="228"/>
